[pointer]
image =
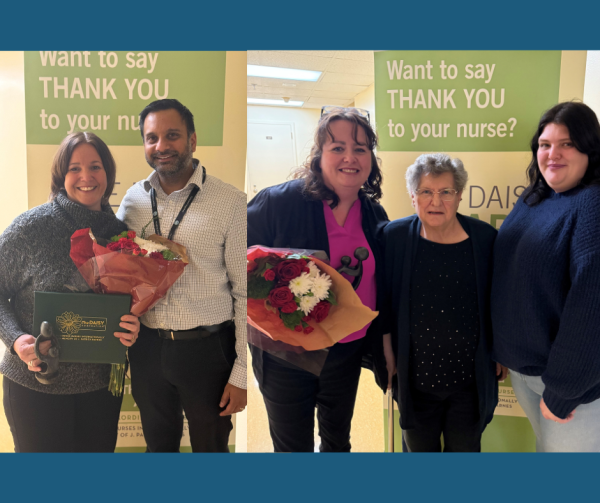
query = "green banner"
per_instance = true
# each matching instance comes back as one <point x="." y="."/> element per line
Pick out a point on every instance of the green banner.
<point x="462" y="101"/>
<point x="103" y="92"/>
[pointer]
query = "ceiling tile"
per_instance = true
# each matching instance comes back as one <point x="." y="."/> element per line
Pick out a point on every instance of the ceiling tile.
<point x="327" y="101"/>
<point x="346" y="88"/>
<point x="351" y="66"/>
<point x="284" y="59"/>
<point x="334" y="94"/>
<point x="347" y="78"/>
<point x="356" y="55"/>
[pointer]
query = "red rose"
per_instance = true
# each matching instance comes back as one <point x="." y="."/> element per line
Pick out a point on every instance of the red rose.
<point x="308" y="330"/>
<point x="320" y="311"/>
<point x="131" y="234"/>
<point x="136" y="252"/>
<point x="269" y="274"/>
<point x="289" y="308"/>
<point x="113" y="246"/>
<point x="143" y="252"/>
<point x="308" y="317"/>
<point x="157" y="255"/>
<point x="280" y="296"/>
<point x="298" y="328"/>
<point x="288" y="270"/>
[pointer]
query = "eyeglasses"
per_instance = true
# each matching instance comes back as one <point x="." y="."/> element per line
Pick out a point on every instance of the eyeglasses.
<point x="426" y="195"/>
<point x="327" y="109"/>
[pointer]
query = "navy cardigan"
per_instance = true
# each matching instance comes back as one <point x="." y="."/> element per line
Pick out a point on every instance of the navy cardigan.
<point x="282" y="216"/>
<point x="401" y="240"/>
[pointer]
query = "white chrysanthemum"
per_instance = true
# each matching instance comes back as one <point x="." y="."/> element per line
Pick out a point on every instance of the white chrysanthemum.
<point x="320" y="286"/>
<point x="300" y="285"/>
<point x="314" y="270"/>
<point x="150" y="246"/>
<point x="307" y="304"/>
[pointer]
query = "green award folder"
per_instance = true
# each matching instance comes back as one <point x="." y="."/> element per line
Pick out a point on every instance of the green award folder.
<point x="84" y="324"/>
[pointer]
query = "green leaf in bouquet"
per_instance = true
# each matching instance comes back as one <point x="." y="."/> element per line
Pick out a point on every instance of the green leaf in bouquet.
<point x="168" y="254"/>
<point x="265" y="263"/>
<point x="290" y="320"/>
<point x="143" y="231"/>
<point x="331" y="298"/>
<point x="114" y="239"/>
<point x="259" y="287"/>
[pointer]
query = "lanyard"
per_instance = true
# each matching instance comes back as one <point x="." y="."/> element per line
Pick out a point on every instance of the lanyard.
<point x="182" y="213"/>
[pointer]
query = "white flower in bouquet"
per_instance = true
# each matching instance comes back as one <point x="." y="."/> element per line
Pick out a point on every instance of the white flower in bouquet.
<point x="320" y="286"/>
<point x="314" y="270"/>
<point x="149" y="246"/>
<point x="300" y="285"/>
<point x="308" y="303"/>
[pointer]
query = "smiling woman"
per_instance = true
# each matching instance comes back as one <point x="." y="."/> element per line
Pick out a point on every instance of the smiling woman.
<point x="546" y="301"/>
<point x="331" y="206"/>
<point x="437" y="282"/>
<point x="35" y="250"/>
<point x="84" y="169"/>
<point x="85" y="181"/>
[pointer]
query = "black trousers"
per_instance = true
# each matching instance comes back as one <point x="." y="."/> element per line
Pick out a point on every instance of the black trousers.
<point x="41" y="422"/>
<point x="170" y="377"/>
<point x="454" y="415"/>
<point x="291" y="395"/>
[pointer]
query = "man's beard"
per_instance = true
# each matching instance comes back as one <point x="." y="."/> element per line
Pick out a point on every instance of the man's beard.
<point x="177" y="165"/>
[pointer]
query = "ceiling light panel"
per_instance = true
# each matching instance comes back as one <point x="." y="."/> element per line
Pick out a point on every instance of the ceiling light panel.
<point x="283" y="73"/>
<point x="276" y="103"/>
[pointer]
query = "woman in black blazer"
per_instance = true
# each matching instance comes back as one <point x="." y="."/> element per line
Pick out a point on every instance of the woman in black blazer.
<point x="339" y="185"/>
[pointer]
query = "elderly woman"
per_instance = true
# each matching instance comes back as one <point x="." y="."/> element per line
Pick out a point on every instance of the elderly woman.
<point x="76" y="413"/>
<point x="438" y="273"/>
<point x="546" y="294"/>
<point x="331" y="206"/>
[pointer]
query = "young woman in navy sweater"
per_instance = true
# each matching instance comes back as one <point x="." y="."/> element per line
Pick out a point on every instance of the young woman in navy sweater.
<point x="546" y="284"/>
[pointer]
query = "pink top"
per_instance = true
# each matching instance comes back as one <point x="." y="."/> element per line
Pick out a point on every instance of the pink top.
<point x="343" y="241"/>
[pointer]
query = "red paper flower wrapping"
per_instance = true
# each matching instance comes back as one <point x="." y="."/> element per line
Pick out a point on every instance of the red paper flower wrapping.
<point x="327" y="324"/>
<point x="146" y="279"/>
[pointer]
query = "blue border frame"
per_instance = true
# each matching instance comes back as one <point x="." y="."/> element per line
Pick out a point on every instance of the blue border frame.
<point x="315" y="26"/>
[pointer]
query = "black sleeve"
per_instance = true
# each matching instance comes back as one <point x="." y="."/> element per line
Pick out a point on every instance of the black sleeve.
<point x="260" y="219"/>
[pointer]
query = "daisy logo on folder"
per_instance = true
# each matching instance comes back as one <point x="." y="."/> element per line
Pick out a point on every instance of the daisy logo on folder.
<point x="71" y="323"/>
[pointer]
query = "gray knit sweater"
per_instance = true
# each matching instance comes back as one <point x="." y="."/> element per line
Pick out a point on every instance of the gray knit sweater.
<point x="34" y="256"/>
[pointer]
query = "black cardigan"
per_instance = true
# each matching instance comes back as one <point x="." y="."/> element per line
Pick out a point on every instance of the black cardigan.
<point x="283" y="217"/>
<point x="401" y="239"/>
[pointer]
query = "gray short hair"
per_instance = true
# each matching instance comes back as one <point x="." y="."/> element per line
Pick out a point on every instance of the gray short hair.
<point x="435" y="165"/>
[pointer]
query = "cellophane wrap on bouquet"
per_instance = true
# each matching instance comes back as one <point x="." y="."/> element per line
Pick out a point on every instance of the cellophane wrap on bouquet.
<point x="147" y="280"/>
<point x="306" y="345"/>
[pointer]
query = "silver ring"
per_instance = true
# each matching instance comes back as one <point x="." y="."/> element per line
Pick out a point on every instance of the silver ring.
<point x="30" y="363"/>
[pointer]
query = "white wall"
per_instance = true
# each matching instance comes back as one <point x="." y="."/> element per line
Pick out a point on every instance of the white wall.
<point x="366" y="100"/>
<point x="591" y="93"/>
<point x="305" y="122"/>
<point x="13" y="167"/>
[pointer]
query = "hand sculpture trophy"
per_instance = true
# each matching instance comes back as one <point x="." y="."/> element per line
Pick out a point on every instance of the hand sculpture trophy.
<point x="50" y="361"/>
<point x="361" y="254"/>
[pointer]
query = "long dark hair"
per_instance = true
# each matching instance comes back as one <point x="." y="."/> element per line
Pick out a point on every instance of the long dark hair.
<point x="311" y="170"/>
<point x="584" y="130"/>
<point x="62" y="158"/>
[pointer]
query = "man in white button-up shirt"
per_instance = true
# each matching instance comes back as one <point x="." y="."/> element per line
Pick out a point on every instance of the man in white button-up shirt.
<point x="191" y="351"/>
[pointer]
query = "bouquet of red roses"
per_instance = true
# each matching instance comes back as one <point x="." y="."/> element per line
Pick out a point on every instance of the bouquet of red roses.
<point x="123" y="266"/>
<point x="300" y="300"/>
